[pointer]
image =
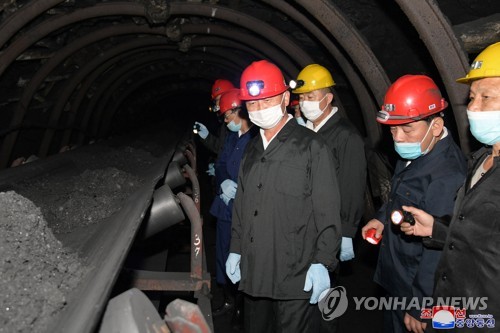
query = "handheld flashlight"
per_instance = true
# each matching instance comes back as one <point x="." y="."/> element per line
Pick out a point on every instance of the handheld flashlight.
<point x="196" y="128"/>
<point x="371" y="236"/>
<point x="400" y="216"/>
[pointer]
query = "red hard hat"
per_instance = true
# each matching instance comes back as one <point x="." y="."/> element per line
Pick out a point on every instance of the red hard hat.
<point x="229" y="100"/>
<point x="221" y="86"/>
<point x="261" y="79"/>
<point x="411" y="98"/>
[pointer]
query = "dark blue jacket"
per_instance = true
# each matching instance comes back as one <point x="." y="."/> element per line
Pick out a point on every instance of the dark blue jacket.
<point x="227" y="167"/>
<point x="405" y="266"/>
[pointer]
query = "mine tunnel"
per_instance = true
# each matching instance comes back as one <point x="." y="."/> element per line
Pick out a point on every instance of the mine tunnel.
<point x="102" y="181"/>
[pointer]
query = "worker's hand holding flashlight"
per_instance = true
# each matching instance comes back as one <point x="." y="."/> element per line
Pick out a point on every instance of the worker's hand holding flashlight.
<point x="372" y="231"/>
<point x="200" y="129"/>
<point x="423" y="223"/>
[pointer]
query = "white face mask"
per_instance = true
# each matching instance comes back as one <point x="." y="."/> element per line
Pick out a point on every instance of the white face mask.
<point x="267" y="118"/>
<point x="485" y="126"/>
<point x="311" y="109"/>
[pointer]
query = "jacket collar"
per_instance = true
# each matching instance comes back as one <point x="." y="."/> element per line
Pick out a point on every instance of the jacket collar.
<point x="281" y="137"/>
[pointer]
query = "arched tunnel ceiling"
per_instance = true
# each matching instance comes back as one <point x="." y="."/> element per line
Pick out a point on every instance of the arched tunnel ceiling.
<point x="75" y="71"/>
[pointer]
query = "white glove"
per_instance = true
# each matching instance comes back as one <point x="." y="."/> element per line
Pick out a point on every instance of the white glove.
<point x="229" y="187"/>
<point x="233" y="267"/>
<point x="318" y="280"/>
<point x="202" y="131"/>
<point x="211" y="169"/>
<point x="346" y="249"/>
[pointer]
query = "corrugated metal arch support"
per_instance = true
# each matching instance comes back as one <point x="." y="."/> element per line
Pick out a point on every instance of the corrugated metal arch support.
<point x="21" y="17"/>
<point x="352" y="42"/>
<point x="448" y="55"/>
<point x="123" y="8"/>
<point x="96" y="99"/>
<point x="208" y="43"/>
<point x="267" y="31"/>
<point x="95" y="73"/>
<point x="106" y="109"/>
<point x="171" y="90"/>
<point x="105" y="123"/>
<point x="52" y="24"/>
<point x="87" y="75"/>
<point x="92" y="71"/>
<point x="131" y="9"/>
<point x="272" y="52"/>
<point x="54" y="61"/>
<point x="269" y="49"/>
<point x="35" y="34"/>
<point x="365" y="99"/>
<point x="100" y="107"/>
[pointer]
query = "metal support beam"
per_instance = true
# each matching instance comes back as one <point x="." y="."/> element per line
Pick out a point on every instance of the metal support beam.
<point x="450" y="59"/>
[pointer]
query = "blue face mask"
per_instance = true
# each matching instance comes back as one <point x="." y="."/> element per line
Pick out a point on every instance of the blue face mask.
<point x="412" y="150"/>
<point x="234" y="127"/>
<point x="485" y="126"/>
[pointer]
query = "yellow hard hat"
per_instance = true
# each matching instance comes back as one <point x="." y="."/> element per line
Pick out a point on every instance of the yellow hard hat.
<point x="313" y="77"/>
<point x="486" y="64"/>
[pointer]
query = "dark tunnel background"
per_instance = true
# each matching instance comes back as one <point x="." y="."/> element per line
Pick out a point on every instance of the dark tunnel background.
<point x="119" y="83"/>
<point x="77" y="71"/>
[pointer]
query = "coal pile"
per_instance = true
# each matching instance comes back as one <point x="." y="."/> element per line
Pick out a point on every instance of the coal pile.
<point x="81" y="200"/>
<point x="36" y="272"/>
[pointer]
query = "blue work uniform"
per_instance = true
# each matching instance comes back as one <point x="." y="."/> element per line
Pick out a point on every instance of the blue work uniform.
<point x="405" y="266"/>
<point x="226" y="167"/>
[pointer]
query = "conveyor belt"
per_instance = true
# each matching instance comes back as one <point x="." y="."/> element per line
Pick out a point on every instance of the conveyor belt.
<point x="103" y="246"/>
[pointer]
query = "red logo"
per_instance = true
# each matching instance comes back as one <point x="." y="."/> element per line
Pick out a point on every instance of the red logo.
<point x="426" y="313"/>
<point x="460" y="313"/>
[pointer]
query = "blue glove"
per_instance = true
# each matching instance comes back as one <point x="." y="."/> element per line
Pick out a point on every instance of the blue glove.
<point x="211" y="169"/>
<point x="228" y="188"/>
<point x="225" y="198"/>
<point x="233" y="267"/>
<point x="202" y="131"/>
<point x="346" y="249"/>
<point x="318" y="279"/>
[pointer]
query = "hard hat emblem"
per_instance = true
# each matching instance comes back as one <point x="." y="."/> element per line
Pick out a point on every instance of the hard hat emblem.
<point x="389" y="107"/>
<point x="476" y="64"/>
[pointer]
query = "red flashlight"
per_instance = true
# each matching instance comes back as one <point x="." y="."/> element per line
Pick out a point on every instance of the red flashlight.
<point x="371" y="236"/>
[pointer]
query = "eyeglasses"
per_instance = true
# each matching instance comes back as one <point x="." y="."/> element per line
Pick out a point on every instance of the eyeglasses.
<point x="228" y="114"/>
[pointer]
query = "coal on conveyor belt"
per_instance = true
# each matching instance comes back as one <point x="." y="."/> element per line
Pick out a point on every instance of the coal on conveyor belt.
<point x="36" y="273"/>
<point x="81" y="200"/>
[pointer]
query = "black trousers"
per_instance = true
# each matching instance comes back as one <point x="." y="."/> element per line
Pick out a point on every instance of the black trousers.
<point x="266" y="315"/>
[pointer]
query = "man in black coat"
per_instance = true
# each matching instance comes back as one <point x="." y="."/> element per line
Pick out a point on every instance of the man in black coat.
<point x="314" y="86"/>
<point x="286" y="221"/>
